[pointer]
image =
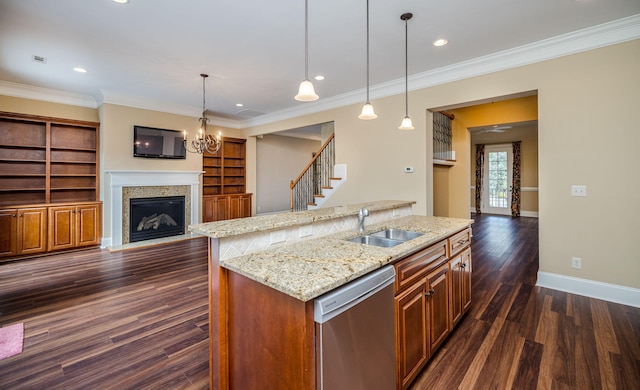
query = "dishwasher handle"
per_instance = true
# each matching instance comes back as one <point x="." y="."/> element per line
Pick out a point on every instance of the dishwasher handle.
<point x="343" y="298"/>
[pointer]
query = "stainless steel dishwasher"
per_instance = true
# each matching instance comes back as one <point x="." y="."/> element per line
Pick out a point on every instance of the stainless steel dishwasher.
<point x="355" y="338"/>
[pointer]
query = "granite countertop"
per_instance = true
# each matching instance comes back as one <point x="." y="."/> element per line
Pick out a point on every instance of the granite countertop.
<point x="308" y="269"/>
<point x="234" y="227"/>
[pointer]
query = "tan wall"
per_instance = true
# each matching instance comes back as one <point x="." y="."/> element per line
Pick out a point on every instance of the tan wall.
<point x="587" y="134"/>
<point x="280" y="159"/>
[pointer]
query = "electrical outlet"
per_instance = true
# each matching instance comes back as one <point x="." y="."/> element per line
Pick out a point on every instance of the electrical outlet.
<point x="578" y="190"/>
<point x="278" y="236"/>
<point x="306" y="231"/>
<point x="576" y="263"/>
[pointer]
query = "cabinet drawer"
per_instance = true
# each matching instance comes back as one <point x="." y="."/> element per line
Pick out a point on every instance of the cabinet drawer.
<point x="417" y="265"/>
<point x="459" y="241"/>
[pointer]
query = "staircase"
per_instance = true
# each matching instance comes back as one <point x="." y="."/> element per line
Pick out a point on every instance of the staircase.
<point x="319" y="179"/>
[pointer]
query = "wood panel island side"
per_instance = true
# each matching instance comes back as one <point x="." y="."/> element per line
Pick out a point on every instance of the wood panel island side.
<point x="266" y="271"/>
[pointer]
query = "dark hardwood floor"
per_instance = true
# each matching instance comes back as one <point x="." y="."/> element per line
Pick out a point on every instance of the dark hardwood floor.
<point x="137" y="319"/>
<point x="518" y="336"/>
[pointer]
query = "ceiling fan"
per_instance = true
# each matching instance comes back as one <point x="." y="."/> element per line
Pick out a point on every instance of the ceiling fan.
<point x="495" y="129"/>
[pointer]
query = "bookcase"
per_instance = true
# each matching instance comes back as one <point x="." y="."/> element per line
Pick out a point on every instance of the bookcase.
<point x="46" y="163"/>
<point x="224" y="182"/>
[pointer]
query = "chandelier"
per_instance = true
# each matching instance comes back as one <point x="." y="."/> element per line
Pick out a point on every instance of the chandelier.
<point x="203" y="141"/>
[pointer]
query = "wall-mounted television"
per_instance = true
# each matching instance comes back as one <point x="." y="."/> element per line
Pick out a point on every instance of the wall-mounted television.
<point x="158" y="143"/>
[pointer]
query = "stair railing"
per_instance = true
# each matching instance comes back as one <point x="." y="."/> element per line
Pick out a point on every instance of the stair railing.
<point x="314" y="176"/>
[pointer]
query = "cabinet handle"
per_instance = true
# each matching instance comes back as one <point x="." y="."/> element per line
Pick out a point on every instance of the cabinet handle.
<point x="13" y="215"/>
<point x="463" y="265"/>
<point x="461" y="242"/>
<point x="430" y="292"/>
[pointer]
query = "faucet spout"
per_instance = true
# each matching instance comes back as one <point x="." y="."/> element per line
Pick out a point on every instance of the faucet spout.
<point x="364" y="212"/>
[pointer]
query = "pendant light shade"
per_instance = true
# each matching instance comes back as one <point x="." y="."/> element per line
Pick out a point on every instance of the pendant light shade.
<point x="367" y="110"/>
<point x="306" y="93"/>
<point x="406" y="122"/>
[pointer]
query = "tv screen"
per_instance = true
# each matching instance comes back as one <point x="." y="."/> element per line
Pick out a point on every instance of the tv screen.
<point x="158" y="143"/>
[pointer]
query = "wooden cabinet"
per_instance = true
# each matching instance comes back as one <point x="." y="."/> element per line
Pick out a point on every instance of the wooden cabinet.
<point x="438" y="302"/>
<point x="47" y="160"/>
<point x="74" y="226"/>
<point x="23" y="231"/>
<point x="433" y="292"/>
<point x="222" y="207"/>
<point x="412" y="332"/>
<point x="31" y="230"/>
<point x="8" y="232"/>
<point x="224" y="182"/>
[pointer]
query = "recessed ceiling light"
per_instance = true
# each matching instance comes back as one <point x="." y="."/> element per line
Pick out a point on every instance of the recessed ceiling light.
<point x="121" y="1"/>
<point x="440" y="42"/>
<point x="80" y="70"/>
<point x="319" y="77"/>
<point x="239" y="105"/>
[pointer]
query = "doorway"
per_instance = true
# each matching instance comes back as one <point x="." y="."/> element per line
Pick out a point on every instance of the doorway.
<point x="497" y="186"/>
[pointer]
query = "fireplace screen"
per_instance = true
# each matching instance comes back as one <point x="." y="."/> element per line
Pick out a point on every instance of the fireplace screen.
<point x="156" y="217"/>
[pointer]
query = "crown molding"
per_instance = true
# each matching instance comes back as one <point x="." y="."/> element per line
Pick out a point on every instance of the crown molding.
<point x="618" y="31"/>
<point x="46" y="94"/>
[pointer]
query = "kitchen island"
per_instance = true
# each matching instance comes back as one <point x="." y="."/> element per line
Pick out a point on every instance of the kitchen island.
<point x="265" y="271"/>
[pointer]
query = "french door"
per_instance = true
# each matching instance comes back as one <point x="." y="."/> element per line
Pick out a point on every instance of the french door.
<point x="498" y="174"/>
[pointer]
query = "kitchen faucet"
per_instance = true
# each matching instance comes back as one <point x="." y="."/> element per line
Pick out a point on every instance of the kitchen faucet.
<point x="364" y="212"/>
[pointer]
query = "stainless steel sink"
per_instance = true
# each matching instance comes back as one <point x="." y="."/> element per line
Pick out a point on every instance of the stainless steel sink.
<point x="386" y="238"/>
<point x="397" y="234"/>
<point x="376" y="241"/>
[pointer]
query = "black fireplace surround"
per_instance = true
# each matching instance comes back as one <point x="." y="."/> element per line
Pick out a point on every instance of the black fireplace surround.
<point x="156" y="217"/>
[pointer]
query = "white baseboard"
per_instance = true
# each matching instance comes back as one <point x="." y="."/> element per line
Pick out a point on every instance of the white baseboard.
<point x="106" y="242"/>
<point x="590" y="288"/>
<point x="532" y="214"/>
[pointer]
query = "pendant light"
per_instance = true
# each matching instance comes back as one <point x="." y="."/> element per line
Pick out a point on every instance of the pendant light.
<point x="306" y="92"/>
<point x="203" y="141"/>
<point x="367" y="110"/>
<point x="406" y="122"/>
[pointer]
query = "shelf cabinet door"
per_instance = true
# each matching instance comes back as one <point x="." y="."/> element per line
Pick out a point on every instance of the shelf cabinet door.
<point x="62" y="227"/>
<point x="456" y="273"/>
<point x="74" y="226"/>
<point x="8" y="232"/>
<point x="215" y="208"/>
<point x="438" y="306"/>
<point x="240" y="206"/>
<point x="32" y="229"/>
<point x="88" y="224"/>
<point x="466" y="279"/>
<point x="411" y="333"/>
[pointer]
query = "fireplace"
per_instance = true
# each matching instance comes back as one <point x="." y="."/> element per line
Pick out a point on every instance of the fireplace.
<point x="156" y="217"/>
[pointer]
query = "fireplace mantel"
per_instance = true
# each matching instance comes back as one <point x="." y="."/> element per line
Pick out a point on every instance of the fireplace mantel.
<point x="125" y="178"/>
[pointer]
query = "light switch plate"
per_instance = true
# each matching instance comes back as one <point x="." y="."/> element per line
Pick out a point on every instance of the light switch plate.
<point x="578" y="190"/>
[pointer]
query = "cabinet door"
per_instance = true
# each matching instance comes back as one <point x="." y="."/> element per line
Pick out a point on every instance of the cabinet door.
<point x="88" y="221"/>
<point x="466" y="279"/>
<point x="8" y="232"/>
<point x="239" y="206"/>
<point x="438" y="305"/>
<point x="61" y="227"/>
<point x="412" y="346"/>
<point x="456" y="274"/>
<point x="32" y="229"/>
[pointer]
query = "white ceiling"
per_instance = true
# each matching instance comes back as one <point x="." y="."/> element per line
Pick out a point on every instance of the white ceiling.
<point x="151" y="52"/>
